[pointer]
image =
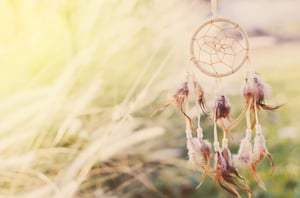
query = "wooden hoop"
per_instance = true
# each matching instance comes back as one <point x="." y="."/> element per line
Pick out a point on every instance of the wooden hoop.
<point x="201" y="67"/>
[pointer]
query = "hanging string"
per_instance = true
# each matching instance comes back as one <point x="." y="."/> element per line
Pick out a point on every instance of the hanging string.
<point x="216" y="141"/>
<point x="219" y="86"/>
<point x="214" y="6"/>
<point x="255" y="112"/>
<point x="224" y="140"/>
<point x="189" y="68"/>
<point x="188" y="130"/>
<point x="219" y="90"/>
<point x="248" y="123"/>
<point x="216" y="93"/>
<point x="258" y="130"/>
<point x="198" y="110"/>
<point x="249" y="69"/>
<point x="199" y="128"/>
<point x="188" y="127"/>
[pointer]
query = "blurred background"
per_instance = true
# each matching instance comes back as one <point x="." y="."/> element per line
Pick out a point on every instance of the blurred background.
<point x="80" y="79"/>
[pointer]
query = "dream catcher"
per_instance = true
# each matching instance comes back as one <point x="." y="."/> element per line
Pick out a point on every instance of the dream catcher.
<point x="219" y="48"/>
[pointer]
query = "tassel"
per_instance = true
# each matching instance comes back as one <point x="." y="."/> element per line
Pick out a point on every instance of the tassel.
<point x="260" y="91"/>
<point x="244" y="156"/>
<point x="227" y="176"/>
<point x="199" y="152"/>
<point x="260" y="151"/>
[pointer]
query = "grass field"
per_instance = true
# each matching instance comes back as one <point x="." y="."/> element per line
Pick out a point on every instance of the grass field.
<point x="80" y="80"/>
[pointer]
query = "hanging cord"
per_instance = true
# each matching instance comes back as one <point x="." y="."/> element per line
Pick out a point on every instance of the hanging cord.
<point x="258" y="127"/>
<point x="199" y="128"/>
<point x="214" y="7"/>
<point x="189" y="68"/>
<point x="256" y="114"/>
<point x="224" y="140"/>
<point x="188" y="127"/>
<point x="249" y="69"/>
<point x="216" y="93"/>
<point x="248" y="122"/>
<point x="198" y="110"/>
<point x="216" y="141"/>
<point x="188" y="130"/>
<point x="220" y="91"/>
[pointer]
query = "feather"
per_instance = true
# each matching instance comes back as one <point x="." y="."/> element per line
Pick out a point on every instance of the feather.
<point x="223" y="107"/>
<point x="200" y="98"/>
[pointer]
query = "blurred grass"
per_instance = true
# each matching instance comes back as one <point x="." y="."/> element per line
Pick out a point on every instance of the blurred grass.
<point x="79" y="82"/>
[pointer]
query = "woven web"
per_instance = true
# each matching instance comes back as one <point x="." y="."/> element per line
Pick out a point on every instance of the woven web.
<point x="219" y="48"/>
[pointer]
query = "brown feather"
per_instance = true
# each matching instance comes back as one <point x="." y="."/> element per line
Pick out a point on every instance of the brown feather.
<point x="223" y="107"/>
<point x="260" y="182"/>
<point x="268" y="107"/>
<point x="159" y="109"/>
<point x="200" y="98"/>
<point x="206" y="153"/>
